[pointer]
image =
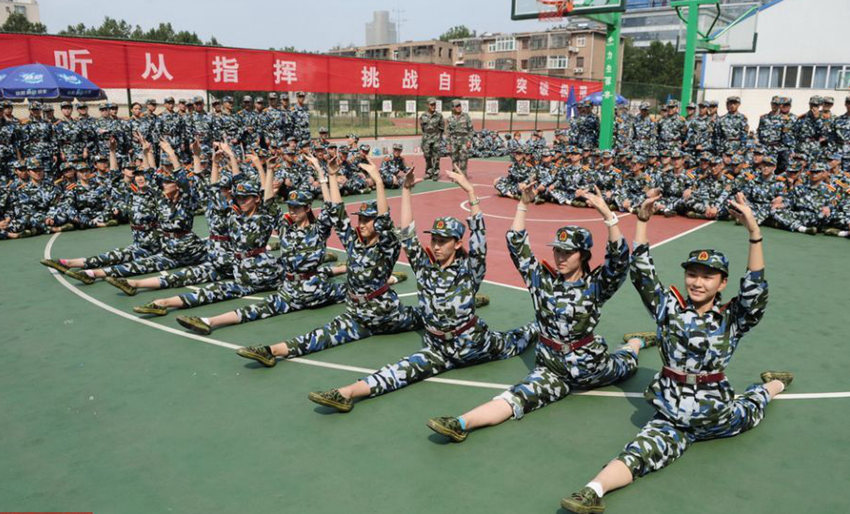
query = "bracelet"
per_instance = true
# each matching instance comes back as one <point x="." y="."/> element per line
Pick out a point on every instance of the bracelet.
<point x="474" y="202"/>
<point x="323" y="181"/>
<point x="756" y="241"/>
<point x="521" y="208"/>
<point x="613" y="221"/>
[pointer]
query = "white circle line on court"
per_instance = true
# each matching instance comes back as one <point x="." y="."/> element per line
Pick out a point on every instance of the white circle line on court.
<point x="465" y="206"/>
<point x="301" y="360"/>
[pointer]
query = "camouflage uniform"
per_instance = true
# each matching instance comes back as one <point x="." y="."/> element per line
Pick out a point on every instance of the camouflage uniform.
<point x="171" y="126"/>
<point x="673" y="184"/>
<point x="454" y="335"/>
<point x="646" y="134"/>
<point x="732" y="129"/>
<point x="369" y="268"/>
<point x="141" y="204"/>
<point x="588" y="131"/>
<point x="568" y="312"/>
<point x="306" y="285"/>
<point x="807" y="132"/>
<point x="432" y="126"/>
<point x="300" y="122"/>
<point x="393" y="168"/>
<point x="459" y="128"/>
<point x="841" y="129"/>
<point x="623" y="131"/>
<point x="33" y="202"/>
<point x="180" y="246"/>
<point x="694" y="343"/>
<point x="700" y="134"/>
<point x="70" y="138"/>
<point x="37" y="140"/>
<point x="509" y="184"/>
<point x="252" y="268"/>
<point x="88" y="204"/>
<point x="671" y="132"/>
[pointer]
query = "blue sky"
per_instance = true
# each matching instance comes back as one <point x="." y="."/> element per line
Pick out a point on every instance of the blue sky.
<point x="314" y="25"/>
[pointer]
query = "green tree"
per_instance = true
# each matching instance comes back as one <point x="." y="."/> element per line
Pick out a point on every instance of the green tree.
<point x="658" y="63"/>
<point x="17" y="22"/>
<point x="120" y="29"/>
<point x="457" y="32"/>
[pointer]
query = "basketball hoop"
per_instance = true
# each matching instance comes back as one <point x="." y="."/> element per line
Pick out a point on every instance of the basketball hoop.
<point x="557" y="8"/>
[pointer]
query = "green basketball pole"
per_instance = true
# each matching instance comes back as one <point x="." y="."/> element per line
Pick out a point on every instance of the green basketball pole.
<point x="692" y="25"/>
<point x="612" y="23"/>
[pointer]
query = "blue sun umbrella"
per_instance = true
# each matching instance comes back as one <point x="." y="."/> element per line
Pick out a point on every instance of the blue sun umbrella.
<point x="596" y="99"/>
<point x="46" y="82"/>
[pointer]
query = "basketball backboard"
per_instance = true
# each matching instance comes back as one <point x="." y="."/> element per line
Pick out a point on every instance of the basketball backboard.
<point x="724" y="28"/>
<point x="542" y="9"/>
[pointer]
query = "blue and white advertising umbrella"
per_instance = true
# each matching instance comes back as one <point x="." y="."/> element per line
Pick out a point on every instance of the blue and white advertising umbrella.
<point x="596" y="99"/>
<point x="46" y="82"/>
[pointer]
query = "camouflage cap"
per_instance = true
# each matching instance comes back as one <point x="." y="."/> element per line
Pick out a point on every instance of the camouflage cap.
<point x="150" y="101"/>
<point x="66" y="166"/>
<point x="456" y="103"/>
<point x="702" y="103"/>
<point x="706" y="156"/>
<point x="769" y="161"/>
<point x="836" y="156"/>
<point x="247" y="188"/>
<point x="82" y="105"/>
<point x="759" y="149"/>
<point x="247" y="98"/>
<point x="815" y="100"/>
<point x="198" y="100"/>
<point x="300" y="94"/>
<point x="432" y="100"/>
<point x="775" y="99"/>
<point x="733" y="99"/>
<point x="639" y="159"/>
<point x="227" y="99"/>
<point x="323" y="130"/>
<point x="644" y="106"/>
<point x="81" y="166"/>
<point x="677" y="154"/>
<point x="708" y="258"/>
<point x="299" y="198"/>
<point x="169" y="100"/>
<point x="48" y="108"/>
<point x="364" y="147"/>
<point x="35" y="106"/>
<point x="19" y="165"/>
<point x="398" y="146"/>
<point x="305" y="143"/>
<point x="259" y="100"/>
<point x="288" y="151"/>
<point x="291" y="139"/>
<point x="368" y="209"/>
<point x="215" y="101"/>
<point x="272" y="96"/>
<point x="691" y="106"/>
<point x="818" y="167"/>
<point x="572" y="238"/>
<point x="712" y="103"/>
<point x="344" y="148"/>
<point x="181" y="101"/>
<point x="573" y="149"/>
<point x="716" y="160"/>
<point x="828" y="100"/>
<point x="332" y="146"/>
<point x="447" y="227"/>
<point x="225" y="182"/>
<point x="6" y="104"/>
<point x="66" y="104"/>
<point x="103" y="158"/>
<point x="737" y="159"/>
<point x="607" y="154"/>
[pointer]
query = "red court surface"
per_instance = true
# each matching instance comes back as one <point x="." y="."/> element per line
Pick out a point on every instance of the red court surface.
<point x="542" y="220"/>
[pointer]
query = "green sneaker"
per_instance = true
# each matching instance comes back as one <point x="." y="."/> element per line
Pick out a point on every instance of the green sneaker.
<point x="481" y="300"/>
<point x="647" y="338"/>
<point x="810" y="230"/>
<point x="112" y="223"/>
<point x="578" y="203"/>
<point x="67" y="227"/>
<point x="330" y="257"/>
<point x="786" y="377"/>
<point x="259" y="354"/>
<point x="693" y="215"/>
<point x="831" y="231"/>
<point x="80" y="275"/>
<point x="53" y="263"/>
<point x="195" y="324"/>
<point x="400" y="277"/>
<point x="151" y="308"/>
<point x="332" y="399"/>
<point x="122" y="284"/>
<point x="585" y="501"/>
<point x="274" y="245"/>
<point x="449" y="427"/>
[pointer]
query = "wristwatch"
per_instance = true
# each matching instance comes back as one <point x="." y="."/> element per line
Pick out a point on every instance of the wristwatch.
<point x="613" y="221"/>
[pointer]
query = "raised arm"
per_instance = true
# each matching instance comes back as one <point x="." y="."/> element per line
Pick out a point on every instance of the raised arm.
<point x="644" y="214"/>
<point x="742" y="212"/>
<point x="406" y="199"/>
<point x="169" y="151"/>
<point x="380" y="192"/>
<point x="215" y="173"/>
<point x="113" y="159"/>
<point x="196" y="155"/>
<point x="461" y="180"/>
<point x="320" y="173"/>
<point x="528" y="191"/>
<point x="333" y="185"/>
<point x="597" y="202"/>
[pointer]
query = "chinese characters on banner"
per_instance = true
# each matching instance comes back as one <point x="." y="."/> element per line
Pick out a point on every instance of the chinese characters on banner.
<point x="127" y="64"/>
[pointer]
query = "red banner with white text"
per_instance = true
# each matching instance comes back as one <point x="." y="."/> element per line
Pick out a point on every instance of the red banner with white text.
<point x="133" y="64"/>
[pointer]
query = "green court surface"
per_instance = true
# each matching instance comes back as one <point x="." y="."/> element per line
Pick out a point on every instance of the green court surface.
<point x="103" y="413"/>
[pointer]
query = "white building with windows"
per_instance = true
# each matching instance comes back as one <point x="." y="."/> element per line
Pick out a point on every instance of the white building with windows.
<point x="802" y="51"/>
<point x="28" y="8"/>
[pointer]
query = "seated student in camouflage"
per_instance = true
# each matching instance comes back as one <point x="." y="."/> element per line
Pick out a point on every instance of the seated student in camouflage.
<point x="518" y="172"/>
<point x="697" y="337"/>
<point x="239" y="263"/>
<point x="448" y="278"/>
<point x="141" y="195"/>
<point x="174" y="218"/>
<point x="302" y="283"/>
<point x="371" y="306"/>
<point x="567" y="299"/>
<point x="394" y="168"/>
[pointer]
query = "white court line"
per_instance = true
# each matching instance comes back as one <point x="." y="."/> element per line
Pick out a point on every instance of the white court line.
<point x="342" y="367"/>
<point x="465" y="206"/>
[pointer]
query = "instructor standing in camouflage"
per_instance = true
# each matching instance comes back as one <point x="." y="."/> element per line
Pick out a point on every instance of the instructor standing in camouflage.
<point x="460" y="130"/>
<point x="432" y="124"/>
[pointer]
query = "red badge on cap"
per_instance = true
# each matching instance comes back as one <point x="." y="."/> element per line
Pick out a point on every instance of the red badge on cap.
<point x="440" y="225"/>
<point x="703" y="256"/>
<point x="562" y="236"/>
<point x="293" y="195"/>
